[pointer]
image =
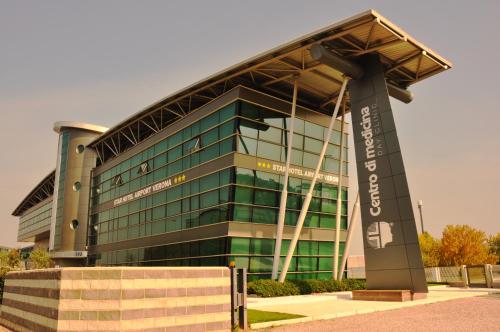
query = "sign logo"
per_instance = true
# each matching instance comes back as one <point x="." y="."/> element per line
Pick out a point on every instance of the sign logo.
<point x="379" y="234"/>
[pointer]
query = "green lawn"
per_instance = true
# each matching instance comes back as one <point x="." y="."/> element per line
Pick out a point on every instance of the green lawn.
<point x="258" y="316"/>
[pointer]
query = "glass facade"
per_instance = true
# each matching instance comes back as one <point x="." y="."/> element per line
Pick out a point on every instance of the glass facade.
<point x="232" y="194"/>
<point x="30" y="223"/>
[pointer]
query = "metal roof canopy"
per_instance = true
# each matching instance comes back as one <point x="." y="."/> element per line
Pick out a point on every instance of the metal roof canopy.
<point x="407" y="61"/>
<point x="41" y="192"/>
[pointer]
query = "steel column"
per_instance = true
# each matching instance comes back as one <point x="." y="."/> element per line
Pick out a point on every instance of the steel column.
<point x="350" y="232"/>
<point x="284" y="192"/>
<point x="307" y="201"/>
<point x="338" y="213"/>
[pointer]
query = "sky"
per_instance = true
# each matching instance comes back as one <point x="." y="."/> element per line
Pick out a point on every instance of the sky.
<point x="101" y="61"/>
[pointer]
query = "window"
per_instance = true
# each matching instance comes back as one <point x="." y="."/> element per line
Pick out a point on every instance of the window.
<point x="269" y="150"/>
<point x="244" y="195"/>
<point x="210" y="137"/>
<point x="76" y="186"/>
<point x="192" y="145"/>
<point x="117" y="180"/>
<point x="80" y="148"/>
<point x="74" y="224"/>
<point x="143" y="168"/>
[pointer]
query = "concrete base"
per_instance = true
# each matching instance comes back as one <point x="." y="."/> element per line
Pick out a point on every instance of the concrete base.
<point x="387" y="295"/>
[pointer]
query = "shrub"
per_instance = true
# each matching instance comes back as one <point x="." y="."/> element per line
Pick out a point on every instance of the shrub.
<point x="354" y="284"/>
<point x="272" y="288"/>
<point x="39" y="259"/>
<point x="8" y="262"/>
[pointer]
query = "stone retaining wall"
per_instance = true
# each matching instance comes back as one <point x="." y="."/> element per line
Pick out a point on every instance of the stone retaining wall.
<point x="118" y="299"/>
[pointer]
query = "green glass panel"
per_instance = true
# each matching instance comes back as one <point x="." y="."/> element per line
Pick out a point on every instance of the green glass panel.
<point x="240" y="262"/>
<point x="225" y="177"/>
<point x="174" y="224"/>
<point x="243" y="195"/>
<point x="226" y="129"/>
<point x="315" y="204"/>
<point x="262" y="246"/>
<point x="158" y="227"/>
<point x="209" y="153"/>
<point x="210" y="137"/>
<point x="308" y="263"/>
<point x="209" y="121"/>
<point x="261" y="264"/>
<point x="313" y="130"/>
<point x="247" y="145"/>
<point x="208" y="199"/>
<point x="294" y="185"/>
<point x="264" y="215"/>
<point x="310" y="160"/>
<point x="173" y="208"/>
<point x="175" y="140"/>
<point x="264" y="197"/>
<point x="158" y="212"/>
<point x="312" y="220"/>
<point x="293" y="201"/>
<point x="209" y="182"/>
<point x="308" y="248"/>
<point x="210" y="216"/>
<point x="313" y="145"/>
<point x="240" y="245"/>
<point x="269" y="151"/>
<point x="227" y="112"/>
<point x="326" y="248"/>
<point x="242" y="213"/>
<point x="291" y="218"/>
<point x="271" y="134"/>
<point x="327" y="221"/>
<point x="267" y="180"/>
<point x="328" y="206"/>
<point x="244" y="176"/>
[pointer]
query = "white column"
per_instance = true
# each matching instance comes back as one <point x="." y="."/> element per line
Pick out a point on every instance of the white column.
<point x="284" y="192"/>
<point x="307" y="201"/>
<point x="350" y="232"/>
<point x="339" y="201"/>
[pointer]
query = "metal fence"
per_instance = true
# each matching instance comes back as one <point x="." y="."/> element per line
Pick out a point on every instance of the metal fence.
<point x="495" y="275"/>
<point x="444" y="274"/>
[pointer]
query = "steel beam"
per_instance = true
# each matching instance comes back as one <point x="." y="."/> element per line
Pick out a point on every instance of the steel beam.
<point x="307" y="201"/>
<point x="338" y="214"/>
<point x="350" y="232"/>
<point x="284" y="192"/>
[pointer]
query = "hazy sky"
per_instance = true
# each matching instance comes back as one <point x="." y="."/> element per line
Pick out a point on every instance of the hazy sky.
<point x="101" y="61"/>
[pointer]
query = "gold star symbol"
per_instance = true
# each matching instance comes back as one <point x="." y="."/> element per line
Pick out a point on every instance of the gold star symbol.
<point x="259" y="164"/>
<point x="268" y="165"/>
<point x="183" y="177"/>
<point x="175" y="180"/>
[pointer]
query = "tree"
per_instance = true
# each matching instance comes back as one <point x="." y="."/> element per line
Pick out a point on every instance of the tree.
<point x="464" y="245"/>
<point x="430" y="248"/>
<point x="39" y="259"/>
<point x="494" y="242"/>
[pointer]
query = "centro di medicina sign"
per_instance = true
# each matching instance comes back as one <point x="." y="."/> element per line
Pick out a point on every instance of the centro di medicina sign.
<point x="392" y="253"/>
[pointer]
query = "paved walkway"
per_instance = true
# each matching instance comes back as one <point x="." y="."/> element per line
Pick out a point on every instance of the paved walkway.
<point x="336" y="305"/>
<point x="480" y="313"/>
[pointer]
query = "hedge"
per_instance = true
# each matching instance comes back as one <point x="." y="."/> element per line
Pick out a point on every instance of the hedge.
<point x="272" y="288"/>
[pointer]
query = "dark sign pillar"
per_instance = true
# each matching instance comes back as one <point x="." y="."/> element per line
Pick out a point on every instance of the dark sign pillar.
<point x="392" y="253"/>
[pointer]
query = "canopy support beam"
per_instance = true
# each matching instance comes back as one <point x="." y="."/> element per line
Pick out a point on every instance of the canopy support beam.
<point x="307" y="201"/>
<point x="284" y="192"/>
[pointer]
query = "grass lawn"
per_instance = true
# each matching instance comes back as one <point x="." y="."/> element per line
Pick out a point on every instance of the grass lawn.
<point x="258" y="316"/>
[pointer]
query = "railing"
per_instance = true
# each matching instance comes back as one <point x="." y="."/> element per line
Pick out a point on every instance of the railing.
<point x="477" y="276"/>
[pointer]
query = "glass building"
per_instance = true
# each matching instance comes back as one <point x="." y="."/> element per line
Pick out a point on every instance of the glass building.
<point x="197" y="177"/>
<point x="208" y="193"/>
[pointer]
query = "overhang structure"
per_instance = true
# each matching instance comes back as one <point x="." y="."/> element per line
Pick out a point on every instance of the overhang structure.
<point x="406" y="62"/>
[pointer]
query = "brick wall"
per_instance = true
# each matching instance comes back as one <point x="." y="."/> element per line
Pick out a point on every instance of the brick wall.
<point x="118" y="299"/>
